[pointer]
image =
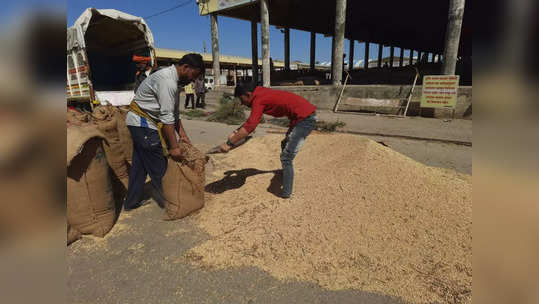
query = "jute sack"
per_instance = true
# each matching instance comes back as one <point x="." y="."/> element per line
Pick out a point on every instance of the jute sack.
<point x="72" y="234"/>
<point x="183" y="184"/>
<point x="105" y="119"/>
<point x="90" y="197"/>
<point x="124" y="134"/>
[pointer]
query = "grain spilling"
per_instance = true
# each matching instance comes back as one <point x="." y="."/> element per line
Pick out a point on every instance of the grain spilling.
<point x="362" y="216"/>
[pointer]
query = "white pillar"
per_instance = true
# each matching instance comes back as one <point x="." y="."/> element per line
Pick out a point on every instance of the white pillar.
<point x="452" y="36"/>
<point x="338" y="48"/>
<point x="215" y="48"/>
<point x="264" y="22"/>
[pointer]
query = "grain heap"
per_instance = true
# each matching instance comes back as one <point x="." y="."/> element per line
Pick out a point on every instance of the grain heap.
<point x="362" y="216"/>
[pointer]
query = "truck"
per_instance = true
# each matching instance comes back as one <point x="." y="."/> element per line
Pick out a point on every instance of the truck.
<point x="100" y="48"/>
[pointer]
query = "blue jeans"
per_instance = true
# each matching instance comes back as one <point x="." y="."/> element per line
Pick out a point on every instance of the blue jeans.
<point x="148" y="158"/>
<point x="295" y="137"/>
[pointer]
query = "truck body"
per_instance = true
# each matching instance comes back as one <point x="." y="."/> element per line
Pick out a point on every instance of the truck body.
<point x="100" y="49"/>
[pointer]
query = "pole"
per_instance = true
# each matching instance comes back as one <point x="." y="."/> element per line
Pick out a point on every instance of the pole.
<point x="264" y="27"/>
<point x="380" y="49"/>
<point x="313" y="50"/>
<point x="338" y="48"/>
<point x="367" y="47"/>
<point x="287" y="48"/>
<point x="411" y="57"/>
<point x="215" y="49"/>
<point x="391" y="56"/>
<point x="351" y="56"/>
<point x="254" y="50"/>
<point x="452" y="36"/>
<point x="401" y="57"/>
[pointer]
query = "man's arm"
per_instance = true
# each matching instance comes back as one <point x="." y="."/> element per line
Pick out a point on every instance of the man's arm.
<point x="246" y="129"/>
<point x="170" y="136"/>
<point x="166" y="94"/>
<point x="182" y="133"/>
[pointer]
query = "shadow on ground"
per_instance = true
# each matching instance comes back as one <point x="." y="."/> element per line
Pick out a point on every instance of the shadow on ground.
<point x="235" y="179"/>
<point x="143" y="260"/>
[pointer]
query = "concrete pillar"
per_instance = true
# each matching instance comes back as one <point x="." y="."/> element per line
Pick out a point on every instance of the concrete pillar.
<point x="367" y="47"/>
<point x="215" y="48"/>
<point x="235" y="76"/>
<point x="401" y="57"/>
<point x="313" y="50"/>
<point x="264" y="26"/>
<point x="419" y="55"/>
<point x="380" y="49"/>
<point x="351" y="56"/>
<point x="254" y="50"/>
<point x="452" y="36"/>
<point x="287" y="48"/>
<point x="411" y="56"/>
<point x="391" y="56"/>
<point x="338" y="48"/>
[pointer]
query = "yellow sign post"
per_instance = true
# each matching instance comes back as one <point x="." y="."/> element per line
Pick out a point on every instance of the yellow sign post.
<point x="440" y="91"/>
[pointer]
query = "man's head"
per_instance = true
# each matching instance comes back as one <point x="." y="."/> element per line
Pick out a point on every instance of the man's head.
<point x="244" y="91"/>
<point x="189" y="68"/>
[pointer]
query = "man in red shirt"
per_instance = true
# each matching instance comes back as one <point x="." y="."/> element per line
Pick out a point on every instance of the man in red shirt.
<point x="301" y="113"/>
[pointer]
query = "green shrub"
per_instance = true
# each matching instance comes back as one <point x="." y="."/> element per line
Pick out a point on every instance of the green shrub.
<point x="194" y="113"/>
<point x="230" y="112"/>
<point x="324" y="126"/>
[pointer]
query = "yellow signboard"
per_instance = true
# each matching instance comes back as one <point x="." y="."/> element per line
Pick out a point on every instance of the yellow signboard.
<point x="440" y="91"/>
<point x="206" y="7"/>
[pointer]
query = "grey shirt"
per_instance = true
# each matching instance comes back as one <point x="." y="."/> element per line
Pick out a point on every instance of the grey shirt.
<point x="158" y="96"/>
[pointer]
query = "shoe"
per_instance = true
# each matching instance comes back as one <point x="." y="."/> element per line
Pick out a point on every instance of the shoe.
<point x="285" y="196"/>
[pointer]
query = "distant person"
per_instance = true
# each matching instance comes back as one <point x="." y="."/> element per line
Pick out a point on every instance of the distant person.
<point x="301" y="113"/>
<point x="153" y="126"/>
<point x="189" y="95"/>
<point x="143" y="69"/>
<point x="200" y="90"/>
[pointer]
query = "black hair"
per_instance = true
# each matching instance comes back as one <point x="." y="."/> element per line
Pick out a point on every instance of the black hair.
<point x="243" y="88"/>
<point x="193" y="60"/>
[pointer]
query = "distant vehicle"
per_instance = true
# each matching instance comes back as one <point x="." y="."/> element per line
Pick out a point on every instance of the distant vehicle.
<point x="100" y="48"/>
<point x="209" y="81"/>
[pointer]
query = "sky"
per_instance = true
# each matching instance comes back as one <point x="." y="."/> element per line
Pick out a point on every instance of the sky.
<point x="184" y="29"/>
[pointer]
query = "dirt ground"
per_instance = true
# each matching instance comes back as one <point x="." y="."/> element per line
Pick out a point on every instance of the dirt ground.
<point x="142" y="259"/>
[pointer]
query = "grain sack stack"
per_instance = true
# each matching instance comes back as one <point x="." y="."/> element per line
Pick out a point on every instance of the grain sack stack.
<point x="91" y="203"/>
<point x="183" y="183"/>
<point x="124" y="134"/>
<point x="361" y="217"/>
<point x="106" y="119"/>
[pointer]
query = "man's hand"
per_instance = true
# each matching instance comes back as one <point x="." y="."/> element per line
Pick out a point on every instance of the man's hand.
<point x="224" y="148"/>
<point x="175" y="153"/>
<point x="186" y="140"/>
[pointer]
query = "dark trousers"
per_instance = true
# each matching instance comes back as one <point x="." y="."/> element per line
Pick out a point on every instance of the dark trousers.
<point x="201" y="100"/>
<point x="190" y="97"/>
<point x="148" y="158"/>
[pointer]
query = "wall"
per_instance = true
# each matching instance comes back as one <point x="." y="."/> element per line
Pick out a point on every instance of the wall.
<point x="325" y="97"/>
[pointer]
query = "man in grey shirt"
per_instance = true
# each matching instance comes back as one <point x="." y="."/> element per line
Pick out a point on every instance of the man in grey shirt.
<point x="154" y="104"/>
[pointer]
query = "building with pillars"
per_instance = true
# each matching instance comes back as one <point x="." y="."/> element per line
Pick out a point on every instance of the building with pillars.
<point x="422" y="27"/>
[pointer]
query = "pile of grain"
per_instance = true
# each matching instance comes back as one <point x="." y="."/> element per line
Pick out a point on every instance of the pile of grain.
<point x="362" y="216"/>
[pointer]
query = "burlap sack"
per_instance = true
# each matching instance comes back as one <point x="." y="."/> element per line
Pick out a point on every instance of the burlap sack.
<point x="72" y="234"/>
<point x="124" y="134"/>
<point x="90" y="198"/>
<point x="183" y="184"/>
<point x="105" y="119"/>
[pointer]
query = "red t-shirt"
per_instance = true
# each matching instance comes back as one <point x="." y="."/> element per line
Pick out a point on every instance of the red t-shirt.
<point x="278" y="104"/>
